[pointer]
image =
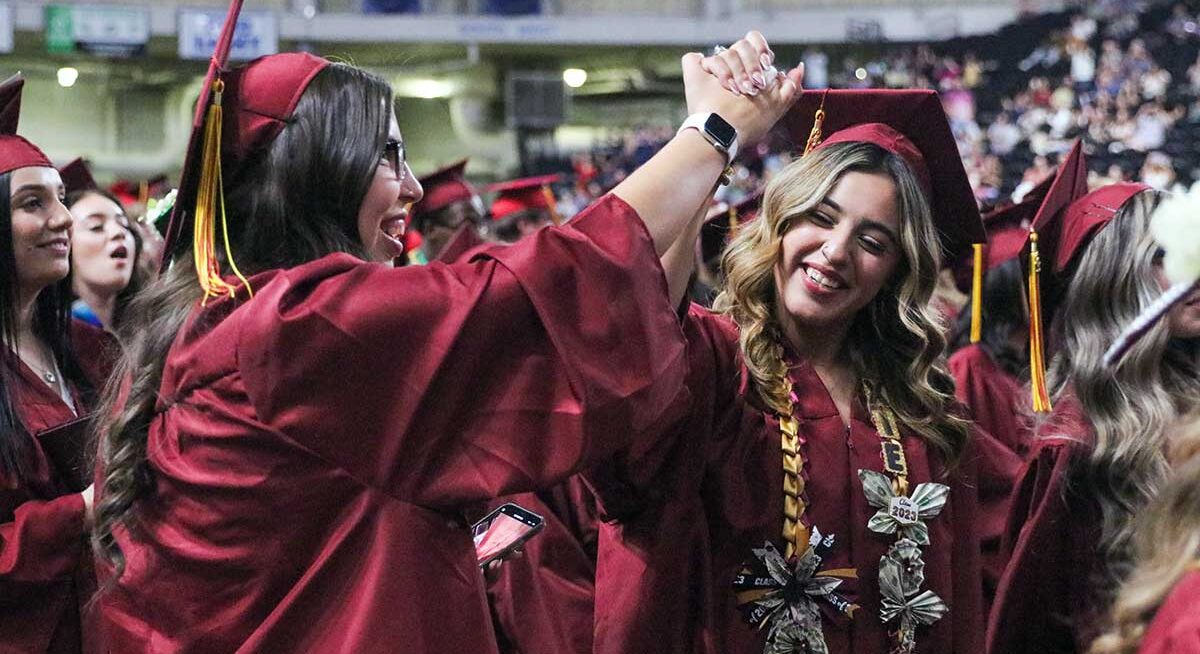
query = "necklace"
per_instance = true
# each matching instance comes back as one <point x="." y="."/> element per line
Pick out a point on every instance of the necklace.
<point x="47" y="375"/>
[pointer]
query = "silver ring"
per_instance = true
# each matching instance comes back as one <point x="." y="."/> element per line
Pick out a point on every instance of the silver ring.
<point x="718" y="49"/>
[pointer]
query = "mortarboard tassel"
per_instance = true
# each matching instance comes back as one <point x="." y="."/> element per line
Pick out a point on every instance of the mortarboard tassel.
<point x="977" y="295"/>
<point x="551" y="204"/>
<point x="1037" y="363"/>
<point x="733" y="222"/>
<point x="211" y="191"/>
<point x="815" y="136"/>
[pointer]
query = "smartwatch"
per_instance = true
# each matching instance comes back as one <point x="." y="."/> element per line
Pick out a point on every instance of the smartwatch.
<point x="716" y="130"/>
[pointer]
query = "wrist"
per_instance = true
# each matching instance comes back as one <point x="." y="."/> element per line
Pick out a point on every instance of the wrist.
<point x="719" y="133"/>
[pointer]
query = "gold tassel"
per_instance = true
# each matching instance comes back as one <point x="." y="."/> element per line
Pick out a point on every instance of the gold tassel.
<point x="552" y="204"/>
<point x="1037" y="362"/>
<point x="209" y="193"/>
<point x="815" y="136"/>
<point x="733" y="222"/>
<point x="977" y="295"/>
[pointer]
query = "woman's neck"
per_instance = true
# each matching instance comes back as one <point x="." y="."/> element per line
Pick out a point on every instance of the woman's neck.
<point x="26" y="304"/>
<point x="824" y="349"/>
<point x="102" y="304"/>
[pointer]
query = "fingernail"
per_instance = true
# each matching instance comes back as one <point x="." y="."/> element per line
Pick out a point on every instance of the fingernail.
<point x="764" y="60"/>
<point x="749" y="88"/>
<point x="732" y="86"/>
<point x="759" y="80"/>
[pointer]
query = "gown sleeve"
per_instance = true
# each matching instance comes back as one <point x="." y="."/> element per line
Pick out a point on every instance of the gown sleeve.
<point x="1039" y="596"/>
<point x="43" y="542"/>
<point x="445" y="385"/>
<point x="1176" y="627"/>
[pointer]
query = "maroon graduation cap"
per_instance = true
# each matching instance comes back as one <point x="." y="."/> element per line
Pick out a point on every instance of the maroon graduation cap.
<point x="523" y="194"/>
<point x="239" y="113"/>
<point x="15" y="151"/>
<point x="443" y="187"/>
<point x="77" y="176"/>
<point x="910" y="123"/>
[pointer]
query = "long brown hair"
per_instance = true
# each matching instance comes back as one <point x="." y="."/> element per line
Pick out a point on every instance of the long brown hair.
<point x="895" y="342"/>
<point x="296" y="202"/>
<point x="1131" y="407"/>
<point x="1166" y="547"/>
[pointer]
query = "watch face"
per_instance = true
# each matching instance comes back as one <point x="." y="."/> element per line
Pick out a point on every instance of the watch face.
<point x="720" y="130"/>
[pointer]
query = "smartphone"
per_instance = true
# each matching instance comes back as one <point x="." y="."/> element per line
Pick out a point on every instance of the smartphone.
<point x="503" y="530"/>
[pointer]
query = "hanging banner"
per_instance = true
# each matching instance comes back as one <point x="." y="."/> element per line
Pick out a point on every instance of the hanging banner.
<point x="256" y="34"/>
<point x="109" y="31"/>
<point x="6" y="27"/>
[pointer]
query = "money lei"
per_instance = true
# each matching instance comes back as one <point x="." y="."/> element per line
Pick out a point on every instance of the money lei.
<point x="902" y="569"/>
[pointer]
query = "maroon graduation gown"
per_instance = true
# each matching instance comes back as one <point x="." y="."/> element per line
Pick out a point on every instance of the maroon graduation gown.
<point x="1176" y="626"/>
<point x="1045" y="602"/>
<point x="542" y="601"/>
<point x="684" y="512"/>
<point x="992" y="397"/>
<point x="314" y="448"/>
<point x="45" y="570"/>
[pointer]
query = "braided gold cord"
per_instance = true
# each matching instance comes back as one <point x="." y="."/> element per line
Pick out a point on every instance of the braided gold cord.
<point x="795" y="534"/>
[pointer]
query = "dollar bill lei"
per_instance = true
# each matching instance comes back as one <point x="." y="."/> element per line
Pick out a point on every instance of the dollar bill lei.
<point x="902" y="568"/>
<point x="783" y="592"/>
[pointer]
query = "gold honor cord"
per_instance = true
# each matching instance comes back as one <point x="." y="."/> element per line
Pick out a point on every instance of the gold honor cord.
<point x="977" y="294"/>
<point x="1037" y="360"/>
<point x="795" y="534"/>
<point x="209" y="193"/>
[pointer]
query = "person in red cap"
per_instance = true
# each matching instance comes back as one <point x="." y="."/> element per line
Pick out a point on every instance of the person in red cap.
<point x="50" y="372"/>
<point x="303" y="425"/>
<point x="450" y="207"/>
<point x="105" y="249"/>
<point x="522" y="206"/>
<point x="1099" y="443"/>
<point x="820" y="496"/>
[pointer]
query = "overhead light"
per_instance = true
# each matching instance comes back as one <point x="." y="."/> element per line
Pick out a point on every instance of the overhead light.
<point x="574" y="77"/>
<point x="429" y="88"/>
<point x="67" y="76"/>
<point x="861" y="74"/>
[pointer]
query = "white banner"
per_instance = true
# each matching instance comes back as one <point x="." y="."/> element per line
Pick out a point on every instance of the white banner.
<point x="257" y="34"/>
<point x="6" y="27"/>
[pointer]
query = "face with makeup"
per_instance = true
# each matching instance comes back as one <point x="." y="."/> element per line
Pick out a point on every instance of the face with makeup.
<point x="383" y="214"/>
<point x="837" y="257"/>
<point x="41" y="228"/>
<point x="102" y="247"/>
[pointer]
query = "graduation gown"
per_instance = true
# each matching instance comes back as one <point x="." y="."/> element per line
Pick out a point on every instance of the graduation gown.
<point x="1046" y="600"/>
<point x="542" y="601"/>
<point x="46" y="576"/>
<point x="682" y="515"/>
<point x="1176" y="626"/>
<point x="315" y="447"/>
<point x="992" y="398"/>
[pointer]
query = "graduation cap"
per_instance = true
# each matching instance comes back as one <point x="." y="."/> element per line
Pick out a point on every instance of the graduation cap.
<point x="1065" y="222"/>
<point x="524" y="194"/>
<point x="15" y="151"/>
<point x="239" y="113"/>
<point x="443" y="187"/>
<point x="911" y="124"/>
<point x="77" y="176"/>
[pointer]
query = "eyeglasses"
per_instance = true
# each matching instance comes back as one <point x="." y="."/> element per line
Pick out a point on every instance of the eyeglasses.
<point x="394" y="154"/>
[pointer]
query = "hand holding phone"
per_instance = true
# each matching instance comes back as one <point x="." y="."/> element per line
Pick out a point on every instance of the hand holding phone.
<point x="504" y="530"/>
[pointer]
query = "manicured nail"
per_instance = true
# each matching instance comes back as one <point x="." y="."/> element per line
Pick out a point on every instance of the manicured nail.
<point x="749" y="88"/>
<point x="732" y="86"/>
<point x="764" y="60"/>
<point x="759" y="80"/>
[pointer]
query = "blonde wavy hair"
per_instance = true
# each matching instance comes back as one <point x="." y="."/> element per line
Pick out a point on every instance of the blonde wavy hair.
<point x="1167" y="547"/>
<point x="895" y="343"/>
<point x="1133" y="406"/>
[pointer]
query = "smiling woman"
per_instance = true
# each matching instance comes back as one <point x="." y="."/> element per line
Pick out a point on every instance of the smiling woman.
<point x="44" y="387"/>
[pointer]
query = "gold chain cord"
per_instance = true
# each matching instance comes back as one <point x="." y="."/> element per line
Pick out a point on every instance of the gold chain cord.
<point x="795" y="533"/>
